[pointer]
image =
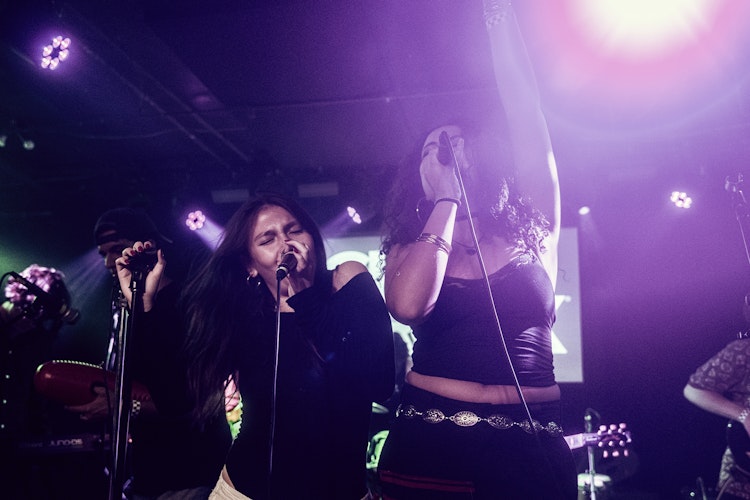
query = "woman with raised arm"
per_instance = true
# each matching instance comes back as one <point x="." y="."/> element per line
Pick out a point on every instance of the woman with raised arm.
<point x="462" y="429"/>
<point x="721" y="386"/>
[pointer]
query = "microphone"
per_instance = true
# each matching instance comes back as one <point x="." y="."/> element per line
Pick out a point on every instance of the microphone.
<point x="143" y="261"/>
<point x="444" y="149"/>
<point x="288" y="262"/>
<point x="50" y="303"/>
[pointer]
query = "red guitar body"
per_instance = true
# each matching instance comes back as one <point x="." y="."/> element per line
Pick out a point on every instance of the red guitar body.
<point x="72" y="383"/>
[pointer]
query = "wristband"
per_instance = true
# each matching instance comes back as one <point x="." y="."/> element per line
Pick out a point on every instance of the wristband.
<point x="452" y="200"/>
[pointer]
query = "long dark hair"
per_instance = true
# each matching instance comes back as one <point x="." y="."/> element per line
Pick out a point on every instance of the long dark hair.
<point x="500" y="208"/>
<point x="221" y="302"/>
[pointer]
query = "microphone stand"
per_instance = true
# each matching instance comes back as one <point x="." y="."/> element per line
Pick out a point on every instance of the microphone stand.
<point x="129" y="320"/>
<point x="119" y="309"/>
<point x="734" y="188"/>
<point x="272" y="433"/>
<point x="740" y="207"/>
<point x="288" y="262"/>
<point x="445" y="142"/>
<point x="589" y="426"/>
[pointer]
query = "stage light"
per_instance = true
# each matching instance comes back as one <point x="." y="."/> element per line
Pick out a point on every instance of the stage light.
<point x="643" y="28"/>
<point x="353" y="215"/>
<point x="584" y="210"/>
<point x="14" y="138"/>
<point x="342" y="223"/>
<point x="653" y="61"/>
<point x="195" y="220"/>
<point x="681" y="199"/>
<point x="202" y="226"/>
<point x="56" y="52"/>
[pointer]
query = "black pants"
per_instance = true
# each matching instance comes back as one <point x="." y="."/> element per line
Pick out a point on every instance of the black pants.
<point x="442" y="461"/>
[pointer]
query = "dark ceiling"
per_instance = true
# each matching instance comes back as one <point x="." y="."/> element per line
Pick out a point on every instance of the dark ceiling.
<point x="172" y="101"/>
<point x="162" y="103"/>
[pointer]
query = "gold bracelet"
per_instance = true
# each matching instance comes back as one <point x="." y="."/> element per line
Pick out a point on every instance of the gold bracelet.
<point x="495" y="11"/>
<point x="435" y="240"/>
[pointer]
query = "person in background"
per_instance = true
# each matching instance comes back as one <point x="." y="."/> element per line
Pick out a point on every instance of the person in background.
<point x="721" y="386"/>
<point x="307" y="405"/>
<point x="462" y="429"/>
<point x="171" y="457"/>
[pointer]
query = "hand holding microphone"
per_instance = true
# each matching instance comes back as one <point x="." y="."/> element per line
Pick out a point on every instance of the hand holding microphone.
<point x="439" y="176"/>
<point x="142" y="257"/>
<point x="445" y="150"/>
<point x="296" y="266"/>
<point x="142" y="261"/>
<point x="288" y="262"/>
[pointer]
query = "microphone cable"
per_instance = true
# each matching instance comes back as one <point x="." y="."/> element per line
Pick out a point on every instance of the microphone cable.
<point x="445" y="142"/>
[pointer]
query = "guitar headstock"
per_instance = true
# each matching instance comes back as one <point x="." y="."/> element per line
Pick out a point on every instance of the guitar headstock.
<point x="613" y="439"/>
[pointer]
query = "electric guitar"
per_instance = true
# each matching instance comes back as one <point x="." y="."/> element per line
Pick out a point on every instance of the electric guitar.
<point x="609" y="438"/>
<point x="72" y="383"/>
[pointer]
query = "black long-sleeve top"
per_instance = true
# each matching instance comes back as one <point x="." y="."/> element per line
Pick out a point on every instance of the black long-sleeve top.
<point x="335" y="359"/>
<point x="170" y="452"/>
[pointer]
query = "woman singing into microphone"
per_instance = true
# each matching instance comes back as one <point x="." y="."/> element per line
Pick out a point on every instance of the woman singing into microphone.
<point x="462" y="429"/>
<point x="304" y="430"/>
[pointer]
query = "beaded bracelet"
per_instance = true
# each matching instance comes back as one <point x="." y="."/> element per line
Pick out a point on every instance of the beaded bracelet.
<point x="435" y="240"/>
<point x="452" y="200"/>
<point x="495" y="11"/>
<point x="743" y="415"/>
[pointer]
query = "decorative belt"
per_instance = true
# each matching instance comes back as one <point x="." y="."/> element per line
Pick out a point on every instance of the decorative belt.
<point x="468" y="419"/>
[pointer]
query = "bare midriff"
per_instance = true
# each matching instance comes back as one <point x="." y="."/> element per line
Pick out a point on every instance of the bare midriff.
<point x="474" y="392"/>
<point x="225" y="476"/>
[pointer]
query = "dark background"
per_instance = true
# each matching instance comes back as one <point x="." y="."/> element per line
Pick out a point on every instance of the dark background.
<point x="162" y="103"/>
